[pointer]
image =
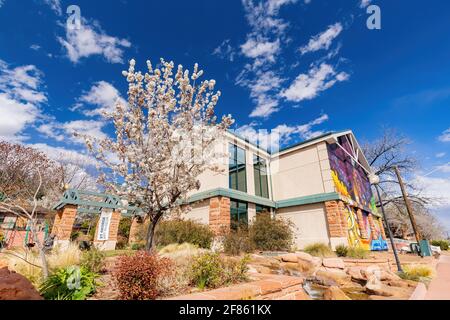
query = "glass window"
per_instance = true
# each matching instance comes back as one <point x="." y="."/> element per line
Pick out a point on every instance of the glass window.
<point x="237" y="171"/>
<point x="262" y="209"/>
<point x="239" y="214"/>
<point x="260" y="173"/>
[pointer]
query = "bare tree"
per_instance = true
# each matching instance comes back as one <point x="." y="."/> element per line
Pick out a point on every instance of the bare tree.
<point x="20" y="210"/>
<point x="383" y="155"/>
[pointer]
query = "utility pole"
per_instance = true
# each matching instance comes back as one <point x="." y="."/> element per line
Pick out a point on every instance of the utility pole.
<point x="408" y="205"/>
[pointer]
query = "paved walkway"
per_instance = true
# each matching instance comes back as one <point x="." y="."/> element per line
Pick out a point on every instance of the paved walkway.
<point x="439" y="288"/>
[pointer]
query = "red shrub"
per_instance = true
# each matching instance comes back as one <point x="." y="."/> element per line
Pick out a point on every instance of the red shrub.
<point x="137" y="277"/>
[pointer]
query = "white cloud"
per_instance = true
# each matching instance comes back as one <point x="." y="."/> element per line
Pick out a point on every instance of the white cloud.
<point x="65" y="155"/>
<point x="91" y="40"/>
<point x="35" y="47"/>
<point x="55" y="5"/>
<point x="104" y="96"/>
<point x="261" y="48"/>
<point x="445" y="137"/>
<point x="282" y="134"/>
<point x="225" y="51"/>
<point x="364" y="3"/>
<point x="65" y="131"/>
<point x="308" y="86"/>
<point x="323" y="40"/>
<point x="435" y="187"/>
<point x="2" y="2"/>
<point x="440" y="155"/>
<point x="15" y="117"/>
<point x="20" y="97"/>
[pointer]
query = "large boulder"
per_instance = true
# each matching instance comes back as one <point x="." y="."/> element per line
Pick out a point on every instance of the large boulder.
<point x="305" y="256"/>
<point x="375" y="287"/>
<point x="289" y="257"/>
<point x="14" y="286"/>
<point x="356" y="274"/>
<point x="335" y="275"/>
<point x="334" y="293"/>
<point x="334" y="263"/>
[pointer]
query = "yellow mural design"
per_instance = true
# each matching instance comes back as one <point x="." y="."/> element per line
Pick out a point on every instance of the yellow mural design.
<point x="340" y="186"/>
<point x="354" y="234"/>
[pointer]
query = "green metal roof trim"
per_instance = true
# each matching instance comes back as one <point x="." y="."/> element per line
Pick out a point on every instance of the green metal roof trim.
<point x="234" y="194"/>
<point x="317" y="198"/>
<point x="242" y="196"/>
<point x="86" y="205"/>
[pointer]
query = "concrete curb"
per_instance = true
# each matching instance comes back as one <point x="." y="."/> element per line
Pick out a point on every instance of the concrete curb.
<point x="420" y="292"/>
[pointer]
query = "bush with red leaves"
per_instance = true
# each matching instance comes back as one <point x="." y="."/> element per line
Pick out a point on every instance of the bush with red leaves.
<point x="138" y="276"/>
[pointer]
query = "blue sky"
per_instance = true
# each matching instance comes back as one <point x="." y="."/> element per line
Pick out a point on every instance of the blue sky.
<point x="302" y="66"/>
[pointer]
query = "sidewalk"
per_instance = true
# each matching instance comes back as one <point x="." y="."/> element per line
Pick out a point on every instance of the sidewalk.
<point x="439" y="288"/>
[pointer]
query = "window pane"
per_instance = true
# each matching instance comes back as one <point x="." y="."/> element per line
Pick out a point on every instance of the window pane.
<point x="240" y="156"/>
<point x="241" y="180"/>
<point x="264" y="186"/>
<point x="233" y="180"/>
<point x="257" y="182"/>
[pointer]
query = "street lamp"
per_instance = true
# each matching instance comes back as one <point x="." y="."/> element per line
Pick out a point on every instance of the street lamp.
<point x="375" y="181"/>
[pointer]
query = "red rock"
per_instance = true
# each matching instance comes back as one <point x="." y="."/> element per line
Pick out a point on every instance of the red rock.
<point x="14" y="286"/>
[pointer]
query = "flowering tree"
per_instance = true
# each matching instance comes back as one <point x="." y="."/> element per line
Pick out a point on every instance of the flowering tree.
<point x="164" y="139"/>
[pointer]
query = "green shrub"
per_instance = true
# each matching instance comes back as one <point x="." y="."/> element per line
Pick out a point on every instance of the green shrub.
<point x="237" y="241"/>
<point x="124" y="227"/>
<point x="122" y="242"/>
<point x="443" y="244"/>
<point x="319" y="250"/>
<point x="71" y="283"/>
<point x="138" y="277"/>
<point x="357" y="253"/>
<point x="416" y="272"/>
<point x="93" y="260"/>
<point x="341" y="250"/>
<point x="269" y="234"/>
<point x="209" y="270"/>
<point x="137" y="246"/>
<point x="181" y="231"/>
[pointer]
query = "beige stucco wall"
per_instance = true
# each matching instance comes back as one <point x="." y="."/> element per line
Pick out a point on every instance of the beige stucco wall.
<point x="199" y="212"/>
<point x="302" y="172"/>
<point x="310" y="224"/>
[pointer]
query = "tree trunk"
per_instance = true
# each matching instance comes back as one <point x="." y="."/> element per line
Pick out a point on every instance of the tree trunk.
<point x="151" y="234"/>
<point x="40" y="247"/>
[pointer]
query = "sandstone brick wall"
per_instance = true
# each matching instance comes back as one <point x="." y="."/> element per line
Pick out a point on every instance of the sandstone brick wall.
<point x="63" y="223"/>
<point x="219" y="215"/>
<point x="337" y="225"/>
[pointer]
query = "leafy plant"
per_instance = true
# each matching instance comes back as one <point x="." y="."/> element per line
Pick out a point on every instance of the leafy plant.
<point x="237" y="241"/>
<point x="443" y="244"/>
<point x="357" y="253"/>
<point x="138" y="277"/>
<point x="319" y="250"/>
<point x="341" y="250"/>
<point x="71" y="283"/>
<point x="416" y="272"/>
<point x="182" y="231"/>
<point x="269" y="234"/>
<point x="137" y="246"/>
<point x="124" y="227"/>
<point x="93" y="260"/>
<point x="209" y="270"/>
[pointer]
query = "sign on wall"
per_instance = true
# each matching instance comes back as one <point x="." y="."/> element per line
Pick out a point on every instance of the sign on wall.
<point x="103" y="225"/>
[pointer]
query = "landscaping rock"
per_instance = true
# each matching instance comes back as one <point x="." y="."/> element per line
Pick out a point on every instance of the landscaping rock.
<point x="377" y="288"/>
<point x="389" y="276"/>
<point x="334" y="293"/>
<point x="356" y="274"/>
<point x="334" y="263"/>
<point x="336" y="275"/>
<point x="305" y="257"/>
<point x="290" y="257"/>
<point x="262" y="269"/>
<point x="317" y="262"/>
<point x="14" y="286"/>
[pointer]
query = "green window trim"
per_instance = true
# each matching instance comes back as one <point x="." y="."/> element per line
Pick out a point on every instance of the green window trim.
<point x="261" y="177"/>
<point x="237" y="174"/>
<point x="238" y="214"/>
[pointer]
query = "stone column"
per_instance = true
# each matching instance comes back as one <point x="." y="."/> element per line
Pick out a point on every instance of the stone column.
<point x="251" y="213"/>
<point x="219" y="215"/>
<point x="63" y="224"/>
<point x="137" y="224"/>
<point x="361" y="225"/>
<point x="109" y="244"/>
<point x="337" y="231"/>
